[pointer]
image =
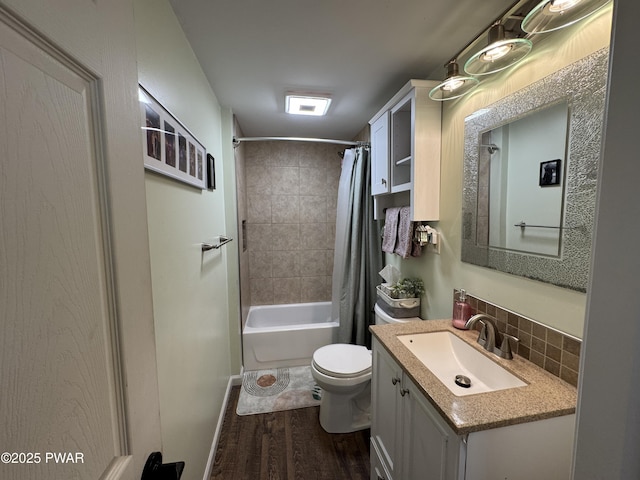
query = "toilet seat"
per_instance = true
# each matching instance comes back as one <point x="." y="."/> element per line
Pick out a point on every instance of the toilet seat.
<point x="342" y="360"/>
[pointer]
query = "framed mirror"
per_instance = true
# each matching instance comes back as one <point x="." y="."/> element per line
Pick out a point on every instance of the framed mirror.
<point x="530" y="176"/>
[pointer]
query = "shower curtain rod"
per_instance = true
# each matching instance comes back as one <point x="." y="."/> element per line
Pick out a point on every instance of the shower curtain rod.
<point x="236" y="141"/>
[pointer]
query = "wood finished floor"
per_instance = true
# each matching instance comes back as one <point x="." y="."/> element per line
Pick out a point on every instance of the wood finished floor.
<point x="287" y="445"/>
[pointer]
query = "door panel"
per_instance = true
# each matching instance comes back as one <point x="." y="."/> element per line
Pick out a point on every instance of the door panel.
<point x="60" y="391"/>
<point x="66" y="326"/>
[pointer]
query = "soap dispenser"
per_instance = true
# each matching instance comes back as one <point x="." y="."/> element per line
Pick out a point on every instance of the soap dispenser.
<point x="461" y="311"/>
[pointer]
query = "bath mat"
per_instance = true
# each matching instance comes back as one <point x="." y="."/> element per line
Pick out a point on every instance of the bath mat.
<point x="277" y="389"/>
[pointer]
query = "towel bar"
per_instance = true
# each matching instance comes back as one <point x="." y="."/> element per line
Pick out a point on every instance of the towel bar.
<point x="525" y="225"/>
<point x="209" y="246"/>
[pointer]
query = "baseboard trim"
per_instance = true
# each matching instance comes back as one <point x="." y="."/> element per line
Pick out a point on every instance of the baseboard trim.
<point x="233" y="381"/>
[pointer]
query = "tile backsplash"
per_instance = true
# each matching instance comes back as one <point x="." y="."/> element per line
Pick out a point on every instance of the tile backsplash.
<point x="556" y="352"/>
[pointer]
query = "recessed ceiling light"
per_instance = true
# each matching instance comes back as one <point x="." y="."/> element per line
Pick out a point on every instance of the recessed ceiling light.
<point x="307" y="105"/>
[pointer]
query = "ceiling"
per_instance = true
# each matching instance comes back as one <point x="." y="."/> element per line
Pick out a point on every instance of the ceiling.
<point x="361" y="52"/>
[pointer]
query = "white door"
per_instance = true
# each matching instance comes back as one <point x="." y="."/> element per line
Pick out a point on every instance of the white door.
<point x="78" y="383"/>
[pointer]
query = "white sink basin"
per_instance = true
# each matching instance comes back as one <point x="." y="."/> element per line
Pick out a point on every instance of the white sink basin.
<point x="448" y="357"/>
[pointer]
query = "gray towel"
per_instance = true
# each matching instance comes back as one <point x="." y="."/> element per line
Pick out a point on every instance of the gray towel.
<point x="405" y="233"/>
<point x="390" y="229"/>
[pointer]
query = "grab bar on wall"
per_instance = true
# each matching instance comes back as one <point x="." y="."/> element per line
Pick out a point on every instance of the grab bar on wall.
<point x="210" y="246"/>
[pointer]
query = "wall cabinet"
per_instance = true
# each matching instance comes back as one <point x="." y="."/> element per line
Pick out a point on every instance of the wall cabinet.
<point x="410" y="439"/>
<point x="405" y="152"/>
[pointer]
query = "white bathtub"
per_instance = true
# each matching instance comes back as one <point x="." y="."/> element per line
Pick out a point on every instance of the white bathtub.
<point x="286" y="335"/>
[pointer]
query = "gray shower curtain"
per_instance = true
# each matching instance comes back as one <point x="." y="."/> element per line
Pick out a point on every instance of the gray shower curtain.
<point x="358" y="251"/>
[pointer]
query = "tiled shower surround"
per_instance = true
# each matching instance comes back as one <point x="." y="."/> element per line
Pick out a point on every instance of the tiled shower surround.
<point x="291" y="197"/>
<point x="556" y="352"/>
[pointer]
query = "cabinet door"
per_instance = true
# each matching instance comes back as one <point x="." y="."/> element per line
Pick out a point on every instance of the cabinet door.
<point x="386" y="420"/>
<point x="380" y="155"/>
<point x="402" y="135"/>
<point x="378" y="470"/>
<point x="431" y="449"/>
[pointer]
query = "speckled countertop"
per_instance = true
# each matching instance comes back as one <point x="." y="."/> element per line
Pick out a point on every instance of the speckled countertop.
<point x="544" y="396"/>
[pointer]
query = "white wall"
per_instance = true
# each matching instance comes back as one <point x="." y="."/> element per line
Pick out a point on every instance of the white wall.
<point x="559" y="308"/>
<point x="190" y="288"/>
<point x="534" y="139"/>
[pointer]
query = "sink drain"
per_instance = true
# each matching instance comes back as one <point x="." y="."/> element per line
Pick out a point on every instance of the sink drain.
<point x="463" y="381"/>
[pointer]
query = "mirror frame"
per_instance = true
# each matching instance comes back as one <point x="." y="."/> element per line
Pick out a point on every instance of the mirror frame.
<point x="583" y="85"/>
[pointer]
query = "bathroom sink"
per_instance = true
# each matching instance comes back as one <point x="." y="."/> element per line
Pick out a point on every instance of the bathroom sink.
<point x="462" y="368"/>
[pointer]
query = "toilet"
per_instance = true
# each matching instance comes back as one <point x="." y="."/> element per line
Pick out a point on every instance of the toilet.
<point x="343" y="372"/>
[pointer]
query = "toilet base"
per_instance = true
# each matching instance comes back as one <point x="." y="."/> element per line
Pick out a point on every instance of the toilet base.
<point x="346" y="414"/>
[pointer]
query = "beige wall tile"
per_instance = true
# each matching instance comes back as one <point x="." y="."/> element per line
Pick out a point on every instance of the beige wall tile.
<point x="313" y="209"/>
<point x="261" y="291"/>
<point x="259" y="208"/>
<point x="286" y="290"/>
<point x="285" y="209"/>
<point x="260" y="264"/>
<point x="313" y="263"/>
<point x="285" y="263"/>
<point x="290" y="192"/>
<point x="285" y="180"/>
<point x="315" y="289"/>
<point x="286" y="236"/>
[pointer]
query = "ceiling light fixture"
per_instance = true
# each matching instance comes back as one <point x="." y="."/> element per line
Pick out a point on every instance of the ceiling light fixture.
<point x="298" y="104"/>
<point x="551" y="15"/>
<point x="501" y="53"/>
<point x="454" y="86"/>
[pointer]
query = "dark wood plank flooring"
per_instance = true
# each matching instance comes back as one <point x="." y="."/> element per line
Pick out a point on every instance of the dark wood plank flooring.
<point x="287" y="445"/>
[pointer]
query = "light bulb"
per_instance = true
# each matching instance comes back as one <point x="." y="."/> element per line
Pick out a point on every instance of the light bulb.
<point x="452" y="84"/>
<point x="497" y="52"/>
<point x="559" y="6"/>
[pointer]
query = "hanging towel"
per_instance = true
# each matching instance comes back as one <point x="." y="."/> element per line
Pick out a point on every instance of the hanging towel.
<point x="405" y="233"/>
<point x="390" y="229"/>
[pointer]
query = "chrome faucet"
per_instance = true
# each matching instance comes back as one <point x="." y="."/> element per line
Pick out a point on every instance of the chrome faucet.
<point x="490" y="338"/>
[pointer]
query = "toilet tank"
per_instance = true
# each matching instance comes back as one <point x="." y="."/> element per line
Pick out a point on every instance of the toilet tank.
<point x="383" y="318"/>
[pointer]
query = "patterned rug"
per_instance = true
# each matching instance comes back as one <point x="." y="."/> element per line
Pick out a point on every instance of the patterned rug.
<point x="277" y="389"/>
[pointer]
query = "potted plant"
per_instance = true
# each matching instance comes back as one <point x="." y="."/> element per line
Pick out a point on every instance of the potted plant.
<point x="407" y="288"/>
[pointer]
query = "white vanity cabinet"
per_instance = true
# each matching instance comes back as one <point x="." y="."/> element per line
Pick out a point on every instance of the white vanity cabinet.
<point x="405" y="152"/>
<point x="409" y="439"/>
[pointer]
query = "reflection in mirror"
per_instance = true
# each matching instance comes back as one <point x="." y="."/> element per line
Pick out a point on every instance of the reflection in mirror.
<point x="530" y="172"/>
<point x="520" y="182"/>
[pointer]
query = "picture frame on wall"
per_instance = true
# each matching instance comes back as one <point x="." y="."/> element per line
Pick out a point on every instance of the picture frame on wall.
<point x="169" y="148"/>
<point x="211" y="172"/>
<point x="550" y="173"/>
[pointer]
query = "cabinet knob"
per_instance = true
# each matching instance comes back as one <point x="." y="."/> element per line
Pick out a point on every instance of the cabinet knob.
<point x="384" y="182"/>
<point x="404" y="391"/>
<point x="395" y="380"/>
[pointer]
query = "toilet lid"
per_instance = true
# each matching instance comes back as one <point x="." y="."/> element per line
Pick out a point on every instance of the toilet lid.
<point x="342" y="360"/>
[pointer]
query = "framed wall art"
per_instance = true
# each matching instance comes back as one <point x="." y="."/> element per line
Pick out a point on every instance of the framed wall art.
<point x="211" y="172"/>
<point x="550" y="173"/>
<point x="169" y="148"/>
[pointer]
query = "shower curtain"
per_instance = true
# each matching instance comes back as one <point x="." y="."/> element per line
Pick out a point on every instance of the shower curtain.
<point x="358" y="251"/>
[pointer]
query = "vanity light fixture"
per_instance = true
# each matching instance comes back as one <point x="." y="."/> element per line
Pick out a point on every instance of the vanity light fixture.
<point x="454" y="86"/>
<point x="298" y="104"/>
<point x="501" y="52"/>
<point x="551" y="15"/>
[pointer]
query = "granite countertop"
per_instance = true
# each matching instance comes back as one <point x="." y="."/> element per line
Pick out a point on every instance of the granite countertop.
<point x="544" y="396"/>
